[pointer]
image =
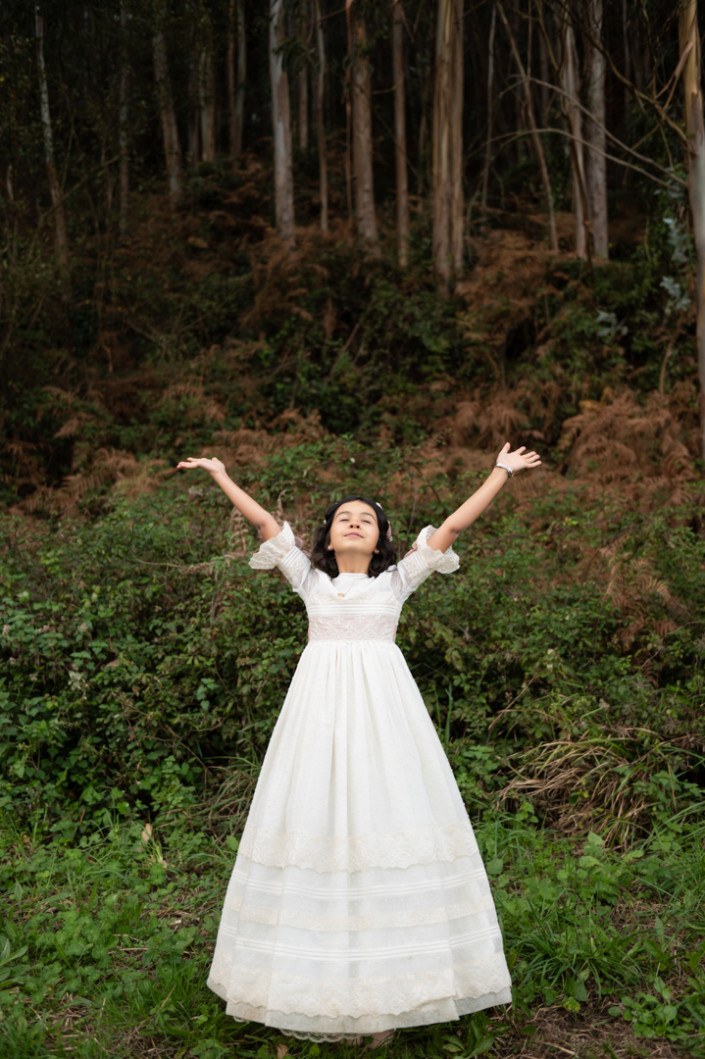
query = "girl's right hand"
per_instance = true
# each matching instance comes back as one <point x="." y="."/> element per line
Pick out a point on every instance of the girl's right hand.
<point x="213" y="466"/>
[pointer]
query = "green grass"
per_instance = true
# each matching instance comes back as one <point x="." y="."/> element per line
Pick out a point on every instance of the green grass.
<point x="107" y="934"/>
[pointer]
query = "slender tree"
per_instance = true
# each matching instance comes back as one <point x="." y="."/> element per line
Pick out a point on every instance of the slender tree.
<point x="695" y="129"/>
<point x="400" y="134"/>
<point x="570" y="105"/>
<point x="123" y="123"/>
<point x="170" y="131"/>
<point x="236" y="75"/>
<point x="447" y="183"/>
<point x="302" y="76"/>
<point x="319" y="90"/>
<point x="61" y="241"/>
<point x="361" y="106"/>
<point x="281" y="122"/>
<point x="595" y="128"/>
<point x="489" y="113"/>
<point x="206" y="89"/>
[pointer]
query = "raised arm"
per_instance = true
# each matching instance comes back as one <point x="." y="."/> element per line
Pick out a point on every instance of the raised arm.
<point x="265" y="523"/>
<point x="507" y="464"/>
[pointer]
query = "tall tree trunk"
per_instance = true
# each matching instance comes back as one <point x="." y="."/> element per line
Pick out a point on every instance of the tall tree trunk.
<point x="236" y="73"/>
<point x="281" y="123"/>
<point x="695" y="128"/>
<point x="570" y="105"/>
<point x="61" y="241"/>
<point x="361" y="84"/>
<point x="302" y="77"/>
<point x="319" y="87"/>
<point x="400" y="135"/>
<point x="447" y="191"/>
<point x="628" y="72"/>
<point x="193" y="123"/>
<point x="597" y="166"/>
<point x="489" y="112"/>
<point x="206" y="92"/>
<point x="535" y="137"/>
<point x="170" y="131"/>
<point x="206" y="99"/>
<point x="123" y="125"/>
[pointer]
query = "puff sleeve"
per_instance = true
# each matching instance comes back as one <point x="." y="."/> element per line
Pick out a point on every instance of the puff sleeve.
<point x="282" y="552"/>
<point x="420" y="562"/>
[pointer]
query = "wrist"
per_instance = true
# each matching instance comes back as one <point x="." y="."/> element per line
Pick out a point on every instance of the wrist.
<point x="502" y="465"/>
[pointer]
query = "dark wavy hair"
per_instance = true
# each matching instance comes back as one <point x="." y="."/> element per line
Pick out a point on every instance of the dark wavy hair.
<point x="325" y="560"/>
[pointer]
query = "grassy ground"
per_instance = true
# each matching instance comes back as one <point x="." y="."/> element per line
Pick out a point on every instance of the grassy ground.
<point x="107" y="948"/>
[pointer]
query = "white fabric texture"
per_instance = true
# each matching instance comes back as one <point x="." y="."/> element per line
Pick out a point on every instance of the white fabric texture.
<point x="358" y="901"/>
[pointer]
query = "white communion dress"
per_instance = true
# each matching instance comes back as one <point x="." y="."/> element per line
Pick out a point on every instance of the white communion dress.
<point x="358" y="901"/>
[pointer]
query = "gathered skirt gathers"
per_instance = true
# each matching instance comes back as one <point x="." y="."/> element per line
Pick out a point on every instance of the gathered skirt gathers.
<point x="358" y="901"/>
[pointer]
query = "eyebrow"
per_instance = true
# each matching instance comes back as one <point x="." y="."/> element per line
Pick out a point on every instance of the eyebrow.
<point x="363" y="514"/>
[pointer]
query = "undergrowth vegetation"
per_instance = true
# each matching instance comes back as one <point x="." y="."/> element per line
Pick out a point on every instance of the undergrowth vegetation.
<point x="143" y="666"/>
<point x="203" y="319"/>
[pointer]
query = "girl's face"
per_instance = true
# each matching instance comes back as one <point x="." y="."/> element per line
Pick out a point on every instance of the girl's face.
<point x="354" y="530"/>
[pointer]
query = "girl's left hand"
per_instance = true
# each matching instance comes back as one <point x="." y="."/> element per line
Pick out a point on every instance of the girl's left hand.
<point x="519" y="459"/>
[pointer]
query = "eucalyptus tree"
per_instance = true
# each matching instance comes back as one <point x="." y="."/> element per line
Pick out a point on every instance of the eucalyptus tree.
<point x="236" y="76"/>
<point x="281" y="123"/>
<point x="402" y="184"/>
<point x="447" y="175"/>
<point x="689" y="37"/>
<point x="319" y="108"/>
<point x="165" y="99"/>
<point x="360" y="75"/>
<point x="61" y="240"/>
<point x="596" y="138"/>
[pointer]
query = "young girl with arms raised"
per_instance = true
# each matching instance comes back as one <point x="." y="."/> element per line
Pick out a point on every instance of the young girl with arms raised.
<point x="358" y="902"/>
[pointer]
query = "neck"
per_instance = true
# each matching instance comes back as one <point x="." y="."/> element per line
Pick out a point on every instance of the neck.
<point x="353" y="564"/>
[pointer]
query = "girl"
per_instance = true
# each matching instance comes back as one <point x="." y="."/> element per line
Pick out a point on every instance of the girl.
<point x="358" y="902"/>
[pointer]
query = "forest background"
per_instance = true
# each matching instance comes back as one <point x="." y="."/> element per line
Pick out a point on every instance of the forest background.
<point x="350" y="246"/>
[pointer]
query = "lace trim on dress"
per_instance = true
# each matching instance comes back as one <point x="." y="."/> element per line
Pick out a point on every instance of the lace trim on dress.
<point x="420" y="563"/>
<point x="357" y="852"/>
<point x="271" y="552"/>
<point x="351" y="998"/>
<point x="446" y="562"/>
<point x="345" y="627"/>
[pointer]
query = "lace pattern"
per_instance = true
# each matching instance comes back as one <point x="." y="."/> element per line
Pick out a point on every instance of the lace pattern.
<point x="343" y="627"/>
<point x="271" y="552"/>
<point x="328" y="998"/>
<point x="420" y="562"/>
<point x="357" y="852"/>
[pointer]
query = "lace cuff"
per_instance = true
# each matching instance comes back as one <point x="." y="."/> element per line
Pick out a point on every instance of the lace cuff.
<point x="283" y="552"/>
<point x="442" y="562"/>
<point x="422" y="561"/>
<point x="271" y="552"/>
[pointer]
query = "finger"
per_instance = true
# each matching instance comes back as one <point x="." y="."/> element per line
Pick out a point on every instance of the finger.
<point x="505" y="449"/>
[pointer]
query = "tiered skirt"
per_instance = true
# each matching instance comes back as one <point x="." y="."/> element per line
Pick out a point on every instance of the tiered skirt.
<point x="358" y="901"/>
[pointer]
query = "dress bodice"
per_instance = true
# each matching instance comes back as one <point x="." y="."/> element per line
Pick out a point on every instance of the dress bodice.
<point x="353" y="607"/>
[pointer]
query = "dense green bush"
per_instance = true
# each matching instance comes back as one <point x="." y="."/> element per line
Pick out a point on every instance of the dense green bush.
<point x="139" y="650"/>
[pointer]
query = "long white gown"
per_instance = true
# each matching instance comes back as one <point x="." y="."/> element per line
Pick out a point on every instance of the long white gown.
<point x="358" y="901"/>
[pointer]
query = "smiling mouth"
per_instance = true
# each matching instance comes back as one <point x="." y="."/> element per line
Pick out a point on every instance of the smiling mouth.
<point x="353" y="534"/>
